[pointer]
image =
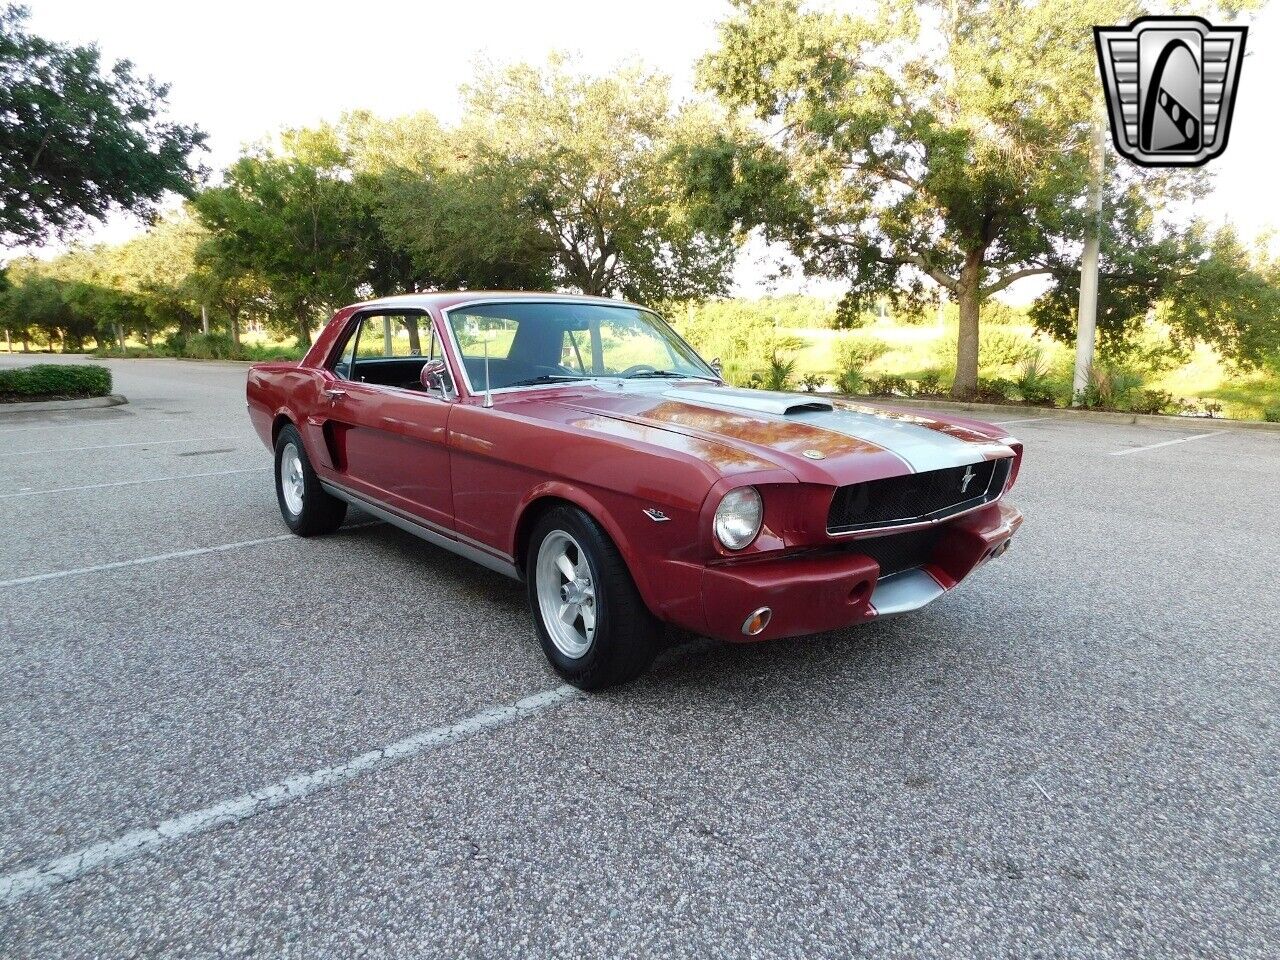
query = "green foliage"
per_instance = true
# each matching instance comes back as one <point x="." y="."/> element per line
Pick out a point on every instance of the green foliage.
<point x="915" y="146"/>
<point x="779" y="372"/>
<point x="1034" y="383"/>
<point x="859" y="351"/>
<point x="887" y="385"/>
<point x="1150" y="401"/>
<point x="1110" y="387"/>
<point x="995" y="390"/>
<point x="77" y="141"/>
<point x="743" y="334"/>
<point x="1271" y="414"/>
<point x="54" y="381"/>
<point x="577" y="172"/>
<point x="928" y="384"/>
<point x="812" y="382"/>
<point x="1204" y="288"/>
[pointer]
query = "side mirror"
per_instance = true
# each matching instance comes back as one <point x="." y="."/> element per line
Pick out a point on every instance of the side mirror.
<point x="435" y="377"/>
<point x="717" y="367"/>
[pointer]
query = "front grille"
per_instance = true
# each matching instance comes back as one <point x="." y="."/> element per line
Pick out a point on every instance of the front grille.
<point x="899" y="551"/>
<point x="916" y="497"/>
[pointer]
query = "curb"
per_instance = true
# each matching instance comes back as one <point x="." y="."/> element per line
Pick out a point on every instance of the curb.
<point x="86" y="403"/>
<point x="1018" y="411"/>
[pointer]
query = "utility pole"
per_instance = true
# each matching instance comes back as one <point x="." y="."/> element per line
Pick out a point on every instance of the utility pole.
<point x="1087" y="326"/>
<point x="204" y="318"/>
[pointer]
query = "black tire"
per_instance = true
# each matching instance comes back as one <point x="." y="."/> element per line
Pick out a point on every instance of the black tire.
<point x="626" y="633"/>
<point x="320" y="513"/>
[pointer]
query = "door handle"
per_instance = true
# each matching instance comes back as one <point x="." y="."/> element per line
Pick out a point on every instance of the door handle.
<point x="335" y="395"/>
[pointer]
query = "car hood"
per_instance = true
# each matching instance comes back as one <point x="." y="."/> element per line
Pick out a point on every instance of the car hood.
<point x="816" y="438"/>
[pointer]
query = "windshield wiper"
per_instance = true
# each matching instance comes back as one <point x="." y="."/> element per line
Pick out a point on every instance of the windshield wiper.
<point x="670" y="374"/>
<point x="545" y="378"/>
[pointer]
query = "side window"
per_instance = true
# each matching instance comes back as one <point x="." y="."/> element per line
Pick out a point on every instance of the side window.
<point x="343" y="367"/>
<point x="389" y="349"/>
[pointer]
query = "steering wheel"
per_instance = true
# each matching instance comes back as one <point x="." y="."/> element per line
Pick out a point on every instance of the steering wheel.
<point x="637" y="368"/>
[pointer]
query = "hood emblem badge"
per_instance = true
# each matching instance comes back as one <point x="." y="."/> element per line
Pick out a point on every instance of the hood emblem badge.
<point x="815" y="455"/>
<point x="967" y="479"/>
<point x="656" y="515"/>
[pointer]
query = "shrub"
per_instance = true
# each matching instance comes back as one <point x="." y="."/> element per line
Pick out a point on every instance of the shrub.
<point x="994" y="390"/>
<point x="859" y="352"/>
<point x="1109" y="386"/>
<point x="55" y="381"/>
<point x="210" y="346"/>
<point x="778" y="375"/>
<point x="1033" y="381"/>
<point x="1271" y="414"/>
<point x="812" y="382"/>
<point x="929" y="384"/>
<point x="1149" y="401"/>
<point x="999" y="349"/>
<point x="850" y="381"/>
<point x="889" y="385"/>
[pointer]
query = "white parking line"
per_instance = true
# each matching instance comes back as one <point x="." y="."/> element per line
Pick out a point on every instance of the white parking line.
<point x="71" y="867"/>
<point x="133" y="421"/>
<point x="1168" y="443"/>
<point x="112" y="446"/>
<point x="130" y="483"/>
<point x="157" y="558"/>
<point x="1005" y="423"/>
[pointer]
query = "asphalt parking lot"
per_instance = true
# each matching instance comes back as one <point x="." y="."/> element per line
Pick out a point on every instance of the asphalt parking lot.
<point x="1076" y="754"/>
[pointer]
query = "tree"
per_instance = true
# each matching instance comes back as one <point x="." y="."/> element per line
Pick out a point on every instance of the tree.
<point x="293" y="218"/>
<point x="77" y="141"/>
<point x="566" y="179"/>
<point x="933" y="141"/>
<point x="158" y="268"/>
<point x="1205" y="287"/>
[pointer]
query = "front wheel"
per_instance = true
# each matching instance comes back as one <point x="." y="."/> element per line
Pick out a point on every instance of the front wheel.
<point x="305" y="506"/>
<point x="594" y="627"/>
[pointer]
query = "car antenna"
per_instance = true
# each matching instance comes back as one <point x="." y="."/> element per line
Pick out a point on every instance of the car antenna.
<point x="488" y="394"/>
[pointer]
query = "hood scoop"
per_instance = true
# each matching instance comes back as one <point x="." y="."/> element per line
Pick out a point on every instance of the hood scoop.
<point x="757" y="401"/>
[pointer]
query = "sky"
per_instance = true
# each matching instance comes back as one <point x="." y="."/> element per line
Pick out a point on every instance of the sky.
<point x="242" y="70"/>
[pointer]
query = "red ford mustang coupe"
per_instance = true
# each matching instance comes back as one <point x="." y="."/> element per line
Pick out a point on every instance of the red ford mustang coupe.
<point x="578" y="444"/>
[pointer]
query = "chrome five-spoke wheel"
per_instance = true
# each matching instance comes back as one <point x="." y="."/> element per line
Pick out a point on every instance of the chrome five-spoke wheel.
<point x="292" y="481"/>
<point x="566" y="594"/>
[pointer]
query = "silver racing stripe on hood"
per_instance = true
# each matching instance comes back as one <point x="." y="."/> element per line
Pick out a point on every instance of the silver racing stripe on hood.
<point x="922" y="447"/>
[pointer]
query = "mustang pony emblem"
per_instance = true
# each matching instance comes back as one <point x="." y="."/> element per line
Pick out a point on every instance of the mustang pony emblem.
<point x="967" y="479"/>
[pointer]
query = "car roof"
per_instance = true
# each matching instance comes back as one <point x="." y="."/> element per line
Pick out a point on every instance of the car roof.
<point x="444" y="299"/>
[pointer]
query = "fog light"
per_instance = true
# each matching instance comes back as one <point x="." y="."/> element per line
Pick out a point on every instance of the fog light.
<point x="756" y="623"/>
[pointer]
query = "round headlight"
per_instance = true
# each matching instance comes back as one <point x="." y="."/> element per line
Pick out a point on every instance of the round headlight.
<point x="738" y="517"/>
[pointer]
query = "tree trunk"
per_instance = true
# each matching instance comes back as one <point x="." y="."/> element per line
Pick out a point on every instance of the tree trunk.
<point x="8" y="341"/>
<point x="233" y="321"/>
<point x="968" y="297"/>
<point x="304" y="328"/>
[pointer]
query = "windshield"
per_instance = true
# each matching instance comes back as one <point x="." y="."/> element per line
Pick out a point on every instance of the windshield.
<point x="546" y="342"/>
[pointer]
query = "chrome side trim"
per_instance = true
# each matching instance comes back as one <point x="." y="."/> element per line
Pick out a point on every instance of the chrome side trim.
<point x="908" y="590"/>
<point x="426" y="531"/>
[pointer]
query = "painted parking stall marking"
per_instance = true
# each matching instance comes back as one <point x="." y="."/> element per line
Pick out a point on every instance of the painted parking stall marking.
<point x="161" y="557"/>
<point x="113" y="446"/>
<point x="1168" y="443"/>
<point x="131" y="483"/>
<point x="65" y="869"/>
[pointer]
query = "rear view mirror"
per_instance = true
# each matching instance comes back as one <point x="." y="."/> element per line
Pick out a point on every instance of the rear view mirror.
<point x="435" y="377"/>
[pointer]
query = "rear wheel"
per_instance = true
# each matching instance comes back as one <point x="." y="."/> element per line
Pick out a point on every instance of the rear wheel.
<point x="594" y="627"/>
<point x="305" y="506"/>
